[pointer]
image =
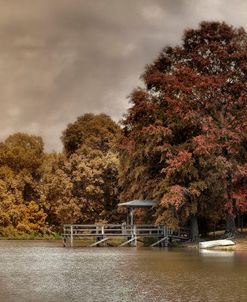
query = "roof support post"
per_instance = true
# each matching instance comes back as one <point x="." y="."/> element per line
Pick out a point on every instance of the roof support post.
<point x="131" y="216"/>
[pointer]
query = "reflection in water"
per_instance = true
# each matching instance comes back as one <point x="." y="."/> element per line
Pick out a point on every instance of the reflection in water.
<point x="40" y="271"/>
<point x="216" y="253"/>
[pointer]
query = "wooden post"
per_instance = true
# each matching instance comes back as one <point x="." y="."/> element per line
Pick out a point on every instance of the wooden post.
<point x="71" y="235"/>
<point x="97" y="231"/>
<point x="133" y="235"/>
<point x="165" y="231"/>
<point x="131" y="216"/>
<point x="64" y="241"/>
<point x="124" y="231"/>
<point x="135" y="242"/>
<point x="164" y="243"/>
<point x="103" y="234"/>
<point x="64" y="236"/>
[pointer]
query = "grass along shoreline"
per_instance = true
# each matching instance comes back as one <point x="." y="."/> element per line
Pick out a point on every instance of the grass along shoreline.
<point x="32" y="236"/>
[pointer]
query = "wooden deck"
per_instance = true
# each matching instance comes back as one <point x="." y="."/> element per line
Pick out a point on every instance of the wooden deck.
<point x="131" y="233"/>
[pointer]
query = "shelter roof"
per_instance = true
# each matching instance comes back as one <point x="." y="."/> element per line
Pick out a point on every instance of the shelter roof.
<point x="138" y="203"/>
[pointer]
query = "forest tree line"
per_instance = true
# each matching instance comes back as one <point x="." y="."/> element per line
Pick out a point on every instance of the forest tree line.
<point x="42" y="191"/>
<point x="183" y="142"/>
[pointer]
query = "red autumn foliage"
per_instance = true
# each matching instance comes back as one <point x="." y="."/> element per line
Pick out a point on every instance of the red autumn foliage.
<point x="187" y="127"/>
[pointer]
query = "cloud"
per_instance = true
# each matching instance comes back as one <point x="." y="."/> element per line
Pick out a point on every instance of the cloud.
<point x="60" y="59"/>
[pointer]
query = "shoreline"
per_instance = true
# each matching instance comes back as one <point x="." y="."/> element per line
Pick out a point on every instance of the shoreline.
<point x="240" y="245"/>
<point x="240" y="242"/>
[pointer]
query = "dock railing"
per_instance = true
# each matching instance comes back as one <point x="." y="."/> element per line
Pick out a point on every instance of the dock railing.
<point x="102" y="232"/>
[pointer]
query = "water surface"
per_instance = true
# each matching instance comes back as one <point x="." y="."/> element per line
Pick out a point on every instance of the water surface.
<point x="32" y="271"/>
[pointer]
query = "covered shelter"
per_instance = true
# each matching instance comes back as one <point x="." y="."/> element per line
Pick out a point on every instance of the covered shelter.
<point x="137" y="203"/>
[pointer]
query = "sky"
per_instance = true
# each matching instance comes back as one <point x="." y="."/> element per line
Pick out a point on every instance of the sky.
<point x="60" y="59"/>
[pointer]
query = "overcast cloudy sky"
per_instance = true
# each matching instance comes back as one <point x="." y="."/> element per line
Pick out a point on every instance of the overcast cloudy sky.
<point x="62" y="58"/>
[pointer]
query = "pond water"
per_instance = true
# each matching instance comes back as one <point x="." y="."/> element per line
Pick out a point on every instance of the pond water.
<point x="47" y="272"/>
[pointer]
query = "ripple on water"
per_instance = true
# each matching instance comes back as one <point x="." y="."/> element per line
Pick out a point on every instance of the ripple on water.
<point x="49" y="273"/>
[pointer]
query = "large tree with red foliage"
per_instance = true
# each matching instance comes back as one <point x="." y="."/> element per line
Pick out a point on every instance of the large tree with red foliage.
<point x="185" y="135"/>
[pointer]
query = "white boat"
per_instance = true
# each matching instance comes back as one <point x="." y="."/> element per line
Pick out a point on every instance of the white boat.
<point x="212" y="243"/>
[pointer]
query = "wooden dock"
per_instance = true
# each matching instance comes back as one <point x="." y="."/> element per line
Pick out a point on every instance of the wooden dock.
<point x="131" y="233"/>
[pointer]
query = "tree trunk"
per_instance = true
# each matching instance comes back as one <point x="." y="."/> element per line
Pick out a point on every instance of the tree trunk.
<point x="194" y="228"/>
<point x="230" y="225"/>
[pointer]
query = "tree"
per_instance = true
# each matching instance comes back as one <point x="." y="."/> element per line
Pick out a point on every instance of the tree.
<point x="17" y="216"/>
<point x="22" y="151"/>
<point x="95" y="131"/>
<point x="82" y="185"/>
<point x="94" y="184"/>
<point x="21" y="156"/>
<point x="57" y="199"/>
<point x="184" y="139"/>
